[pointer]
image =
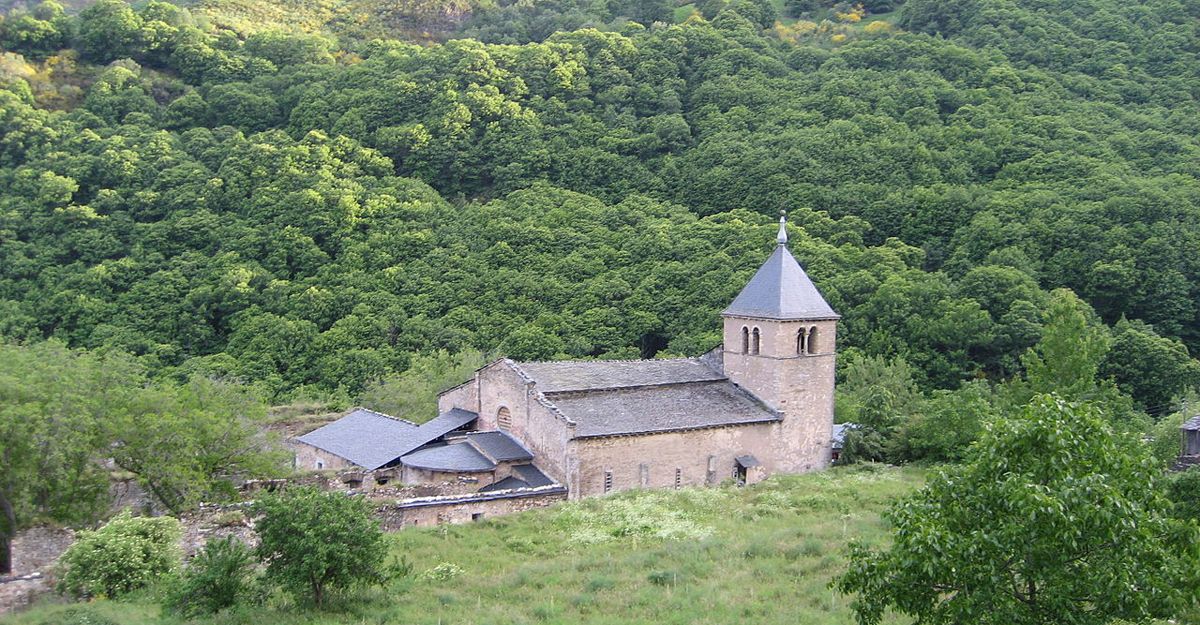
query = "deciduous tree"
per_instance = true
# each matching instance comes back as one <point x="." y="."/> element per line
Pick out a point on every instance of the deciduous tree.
<point x="1053" y="519"/>
<point x="317" y="542"/>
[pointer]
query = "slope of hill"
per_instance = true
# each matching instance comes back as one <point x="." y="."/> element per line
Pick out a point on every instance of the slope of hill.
<point x="763" y="554"/>
<point x="306" y="214"/>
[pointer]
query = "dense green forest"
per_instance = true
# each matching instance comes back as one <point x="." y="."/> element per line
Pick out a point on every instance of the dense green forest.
<point x="210" y="206"/>
<point x="306" y="212"/>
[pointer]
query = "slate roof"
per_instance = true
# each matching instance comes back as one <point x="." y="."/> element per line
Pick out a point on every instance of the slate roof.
<point x="648" y="409"/>
<point x="364" y="437"/>
<point x="1191" y="424"/>
<point x="781" y="290"/>
<point x="748" y="461"/>
<point x="584" y="375"/>
<point x="839" y="433"/>
<point x="499" y="446"/>
<point x="507" y="483"/>
<point x="532" y="475"/>
<point x="371" y="439"/>
<point x="453" y="457"/>
<point x="448" y="422"/>
<point x="524" y="476"/>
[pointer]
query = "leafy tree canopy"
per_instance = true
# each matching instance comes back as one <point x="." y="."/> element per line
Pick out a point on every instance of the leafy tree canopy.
<point x="317" y="542"/>
<point x="1052" y="519"/>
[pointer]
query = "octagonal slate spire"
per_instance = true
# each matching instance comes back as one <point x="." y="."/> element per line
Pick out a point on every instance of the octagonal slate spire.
<point x="781" y="290"/>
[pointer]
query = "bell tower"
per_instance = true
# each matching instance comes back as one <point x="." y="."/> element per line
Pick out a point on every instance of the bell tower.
<point x="780" y="344"/>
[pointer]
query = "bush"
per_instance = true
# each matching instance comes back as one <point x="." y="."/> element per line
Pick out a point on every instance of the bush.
<point x="315" y="542"/>
<point x="126" y="554"/>
<point x="219" y="577"/>
<point x="1049" y="496"/>
<point x="862" y="444"/>
<point x="1183" y="489"/>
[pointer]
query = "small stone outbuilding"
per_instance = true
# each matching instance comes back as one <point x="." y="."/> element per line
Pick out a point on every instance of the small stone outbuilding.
<point x="1189" y="454"/>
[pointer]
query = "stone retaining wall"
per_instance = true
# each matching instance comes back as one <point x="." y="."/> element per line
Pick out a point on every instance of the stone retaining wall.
<point x="466" y="508"/>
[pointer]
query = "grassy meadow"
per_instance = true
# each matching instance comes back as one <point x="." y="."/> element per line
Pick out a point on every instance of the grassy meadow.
<point x="763" y="554"/>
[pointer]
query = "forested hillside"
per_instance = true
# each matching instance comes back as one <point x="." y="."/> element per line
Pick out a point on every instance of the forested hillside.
<point x="307" y="212"/>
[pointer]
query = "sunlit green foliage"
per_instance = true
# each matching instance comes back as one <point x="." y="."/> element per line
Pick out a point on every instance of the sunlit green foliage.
<point x="271" y="207"/>
<point x="315" y="543"/>
<point x="127" y="554"/>
<point x="783" y="538"/>
<point x="1052" y="519"/>
<point x="219" y="577"/>
<point x="413" y="394"/>
<point x="65" y="413"/>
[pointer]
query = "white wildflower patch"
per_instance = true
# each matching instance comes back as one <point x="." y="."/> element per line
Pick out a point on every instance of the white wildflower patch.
<point x="659" y="515"/>
<point x="443" y="572"/>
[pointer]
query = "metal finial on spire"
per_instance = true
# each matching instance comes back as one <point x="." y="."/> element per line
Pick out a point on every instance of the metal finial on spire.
<point x="782" y="238"/>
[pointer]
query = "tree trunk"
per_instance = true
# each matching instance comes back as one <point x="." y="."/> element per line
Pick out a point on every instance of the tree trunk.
<point x="8" y="528"/>
<point x="5" y="555"/>
<point x="318" y="593"/>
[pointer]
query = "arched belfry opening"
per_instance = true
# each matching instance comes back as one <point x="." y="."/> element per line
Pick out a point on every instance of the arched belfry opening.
<point x="811" y="342"/>
<point x="745" y="340"/>
<point x="755" y="341"/>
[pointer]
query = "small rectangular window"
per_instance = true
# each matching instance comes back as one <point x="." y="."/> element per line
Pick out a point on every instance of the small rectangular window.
<point x="320" y="465"/>
<point x="607" y="481"/>
<point x="678" y="478"/>
<point x="477" y="516"/>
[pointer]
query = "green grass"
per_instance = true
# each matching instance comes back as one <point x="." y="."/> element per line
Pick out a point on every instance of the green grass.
<point x="763" y="554"/>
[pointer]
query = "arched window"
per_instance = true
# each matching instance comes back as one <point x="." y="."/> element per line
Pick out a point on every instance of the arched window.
<point x="801" y="341"/>
<point x="745" y="340"/>
<point x="755" y="341"/>
<point x="812" y="340"/>
<point x="504" y="419"/>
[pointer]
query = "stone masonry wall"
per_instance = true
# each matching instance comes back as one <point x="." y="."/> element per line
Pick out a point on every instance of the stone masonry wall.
<point x="543" y="432"/>
<point x="308" y="456"/>
<point x="465" y="396"/>
<point x="440" y="510"/>
<point x="702" y="457"/>
<point x="798" y="385"/>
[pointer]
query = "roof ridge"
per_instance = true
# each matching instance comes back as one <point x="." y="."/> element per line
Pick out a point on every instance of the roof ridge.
<point x="608" y="360"/>
<point x="382" y="414"/>
<point x="608" y="389"/>
<point x="540" y="397"/>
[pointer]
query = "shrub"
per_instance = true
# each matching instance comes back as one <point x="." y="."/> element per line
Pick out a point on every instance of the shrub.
<point x="126" y="554"/>
<point x="861" y="444"/>
<point x="1049" y="496"/>
<point x="1183" y="489"/>
<point x="220" y="576"/>
<point x="314" y="542"/>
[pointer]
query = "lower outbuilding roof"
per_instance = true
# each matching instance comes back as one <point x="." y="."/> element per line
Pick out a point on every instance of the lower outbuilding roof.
<point x="451" y="458"/>
<point x="524" y="476"/>
<point x="372" y="439"/>
<point x="365" y="437"/>
<point x="499" y="446"/>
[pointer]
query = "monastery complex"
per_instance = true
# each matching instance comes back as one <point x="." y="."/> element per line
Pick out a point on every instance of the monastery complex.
<point x="760" y="403"/>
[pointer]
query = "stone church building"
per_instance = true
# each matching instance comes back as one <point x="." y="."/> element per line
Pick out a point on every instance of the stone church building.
<point x="761" y="403"/>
